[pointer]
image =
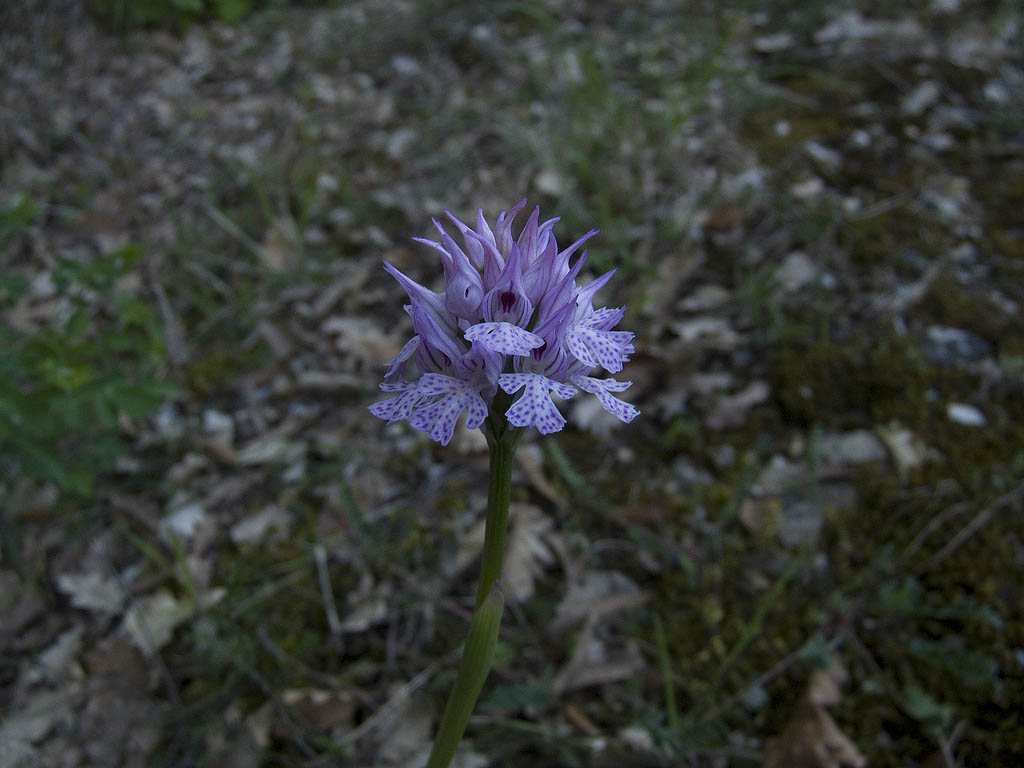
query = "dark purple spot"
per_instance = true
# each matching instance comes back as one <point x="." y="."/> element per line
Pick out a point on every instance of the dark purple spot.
<point x="508" y="300"/>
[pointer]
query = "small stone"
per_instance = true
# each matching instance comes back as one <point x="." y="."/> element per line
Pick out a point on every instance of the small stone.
<point x="168" y="422"/>
<point x="860" y="138"/>
<point x="920" y="99"/>
<point x="219" y="426"/>
<point x="808" y="191"/>
<point x="549" y="182"/>
<point x="780" y="41"/>
<point x="946" y="346"/>
<point x="796" y="272"/>
<point x="826" y="158"/>
<point x="967" y="415"/>
<point x="857" y="447"/>
<point x="996" y="92"/>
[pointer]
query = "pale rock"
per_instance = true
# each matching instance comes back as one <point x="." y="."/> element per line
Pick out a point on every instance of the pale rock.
<point x="920" y="98"/>
<point x="856" y="447"/>
<point x="400" y="141"/>
<point x="796" y="271"/>
<point x="997" y="92"/>
<point x="809" y="190"/>
<point x="168" y="422"/>
<point x="827" y="159"/>
<point x="779" y="41"/>
<point x="965" y="414"/>
<point x="549" y="182"/>
<point x="637" y="738"/>
<point x="945" y="345"/>
<point x="219" y="426"/>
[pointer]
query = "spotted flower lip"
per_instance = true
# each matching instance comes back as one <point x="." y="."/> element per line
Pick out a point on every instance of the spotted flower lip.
<point x="511" y="318"/>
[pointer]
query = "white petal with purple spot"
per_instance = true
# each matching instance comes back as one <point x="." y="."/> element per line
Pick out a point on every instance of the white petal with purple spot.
<point x="504" y="337"/>
<point x="534" y="407"/>
<point x="603" y="388"/>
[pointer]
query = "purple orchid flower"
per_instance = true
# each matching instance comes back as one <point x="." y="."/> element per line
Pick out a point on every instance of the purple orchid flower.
<point x="511" y="317"/>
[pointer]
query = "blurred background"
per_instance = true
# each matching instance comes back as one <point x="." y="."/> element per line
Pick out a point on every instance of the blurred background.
<point x="806" y="552"/>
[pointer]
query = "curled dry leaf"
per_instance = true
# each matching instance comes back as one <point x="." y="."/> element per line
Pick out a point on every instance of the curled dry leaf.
<point x="812" y="739"/>
<point x="92" y="592"/>
<point x="323" y="710"/>
<point x="530" y="547"/>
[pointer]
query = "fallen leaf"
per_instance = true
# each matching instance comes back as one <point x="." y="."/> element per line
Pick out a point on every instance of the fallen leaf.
<point x="812" y="739"/>
<point x="323" y="710"/>
<point x="92" y="592"/>
<point x="526" y="553"/>
<point x="732" y="411"/>
<point x="252" y="530"/>
<point x="529" y="549"/>
<point x="151" y="621"/>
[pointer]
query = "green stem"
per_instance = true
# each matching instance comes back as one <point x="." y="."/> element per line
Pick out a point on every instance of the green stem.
<point x="478" y="653"/>
<point x="499" y="487"/>
<point x="477" y="657"/>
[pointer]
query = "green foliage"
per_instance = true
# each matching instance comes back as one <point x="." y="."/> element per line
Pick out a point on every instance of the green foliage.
<point x="64" y="384"/>
<point x="130" y="14"/>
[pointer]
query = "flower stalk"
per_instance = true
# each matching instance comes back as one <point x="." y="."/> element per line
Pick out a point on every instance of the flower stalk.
<point x="477" y="657"/>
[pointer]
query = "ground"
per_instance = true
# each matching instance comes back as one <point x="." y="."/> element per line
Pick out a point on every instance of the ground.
<point x="807" y="550"/>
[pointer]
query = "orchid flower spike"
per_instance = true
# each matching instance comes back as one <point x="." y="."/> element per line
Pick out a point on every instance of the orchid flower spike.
<point x="513" y="317"/>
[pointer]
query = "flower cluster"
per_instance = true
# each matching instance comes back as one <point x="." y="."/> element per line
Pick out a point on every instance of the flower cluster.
<point x="511" y="316"/>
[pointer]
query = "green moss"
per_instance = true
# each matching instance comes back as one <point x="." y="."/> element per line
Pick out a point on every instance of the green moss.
<point x="866" y="379"/>
<point x="950" y="302"/>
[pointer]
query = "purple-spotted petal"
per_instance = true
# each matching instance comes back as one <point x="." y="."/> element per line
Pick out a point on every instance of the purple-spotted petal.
<point x="504" y="337"/>
<point x="397" y="408"/>
<point x="438" y="418"/>
<point x="534" y="407"/>
<point x="603" y="388"/>
<point x="608" y="349"/>
<point x="407" y="351"/>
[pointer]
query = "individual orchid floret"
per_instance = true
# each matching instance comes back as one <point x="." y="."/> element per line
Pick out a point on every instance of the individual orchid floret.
<point x="535" y="408"/>
<point x="512" y="319"/>
<point x="448" y="398"/>
<point x="603" y="389"/>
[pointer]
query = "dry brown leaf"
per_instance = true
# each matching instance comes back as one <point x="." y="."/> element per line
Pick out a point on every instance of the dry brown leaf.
<point x="812" y="739"/>
<point x="527" y="553"/>
<point x="92" y="592"/>
<point x="322" y="710"/>
<point x="530" y="548"/>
